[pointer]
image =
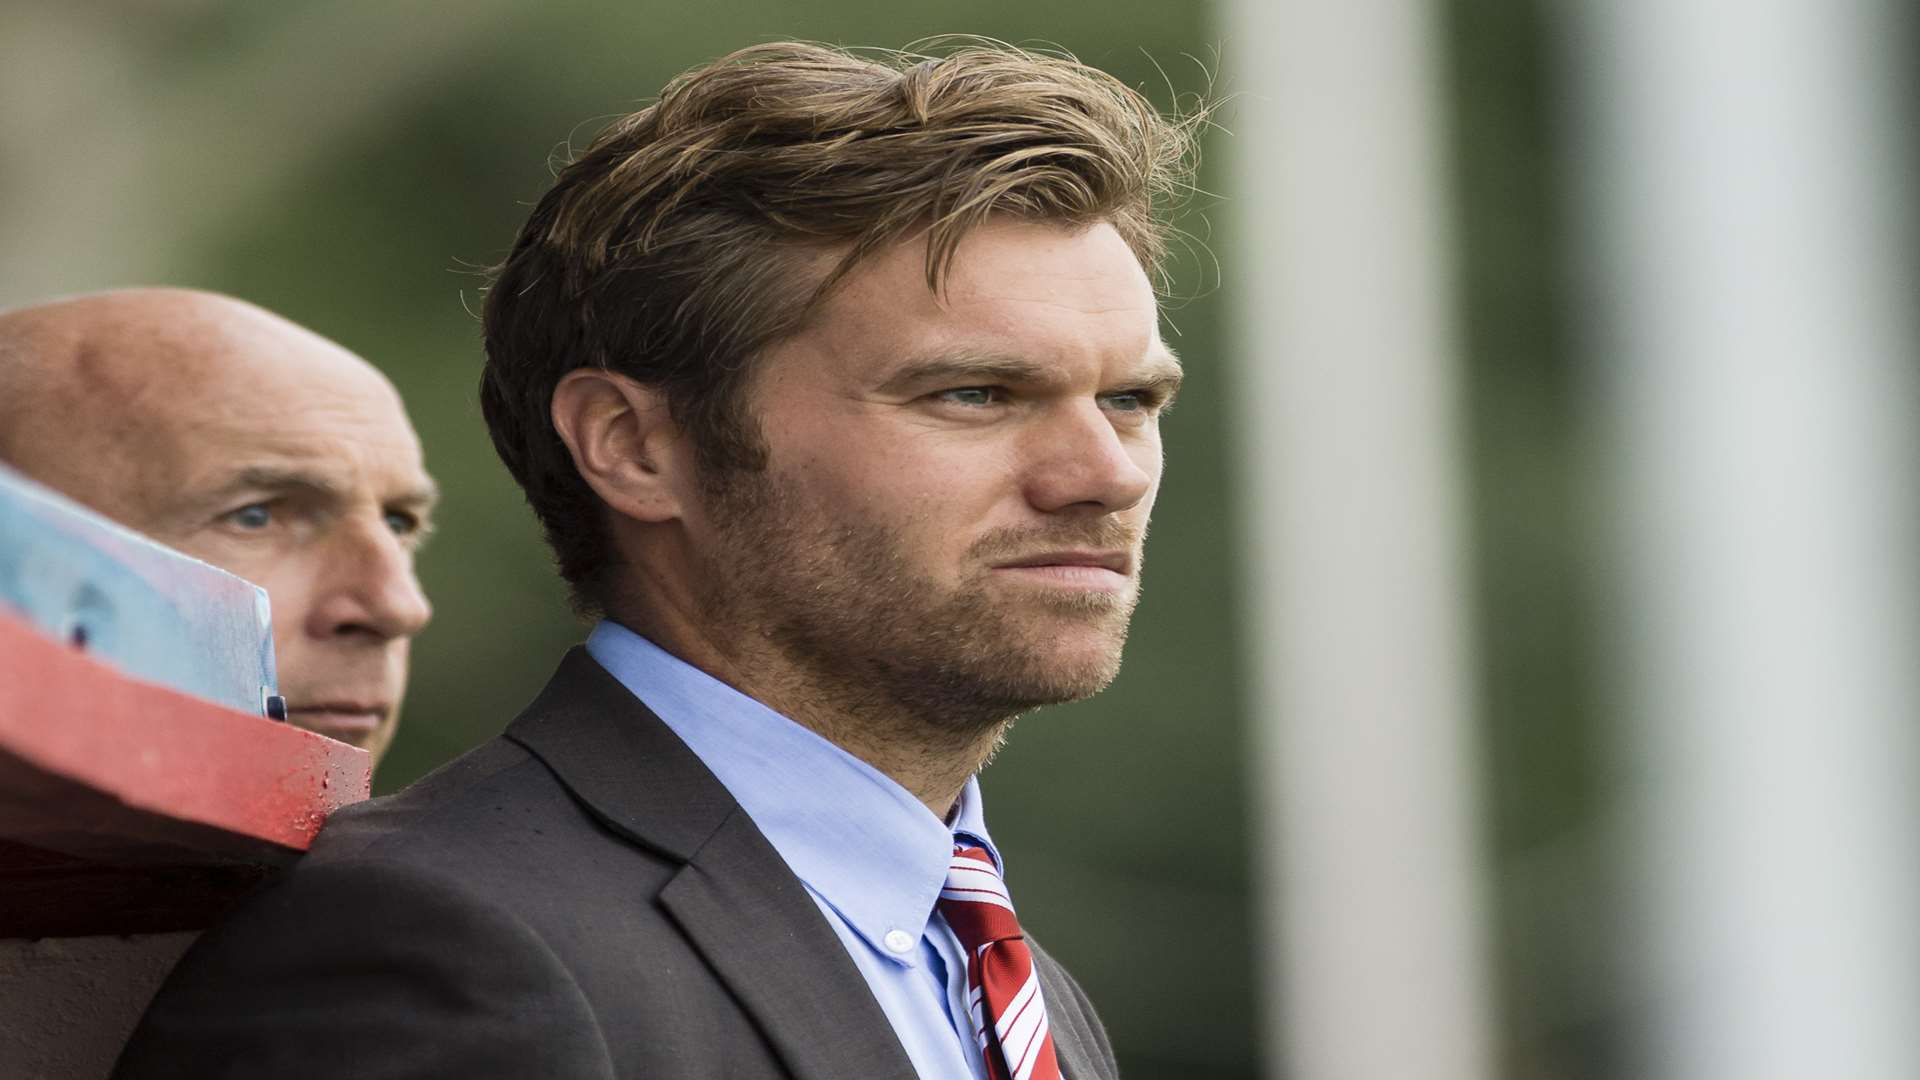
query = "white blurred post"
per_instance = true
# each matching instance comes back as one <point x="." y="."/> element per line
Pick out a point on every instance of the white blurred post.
<point x="1746" y="211"/>
<point x="1347" y="393"/>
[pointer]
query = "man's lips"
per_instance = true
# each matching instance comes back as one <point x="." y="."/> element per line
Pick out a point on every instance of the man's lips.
<point x="348" y="721"/>
<point x="1097" y="569"/>
<point x="1115" y="561"/>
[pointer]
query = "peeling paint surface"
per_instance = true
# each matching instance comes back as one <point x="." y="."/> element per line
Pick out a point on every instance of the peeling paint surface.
<point x="175" y="757"/>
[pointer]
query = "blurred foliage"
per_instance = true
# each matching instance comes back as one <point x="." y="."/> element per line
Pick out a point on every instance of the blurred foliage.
<point x="1536" y="541"/>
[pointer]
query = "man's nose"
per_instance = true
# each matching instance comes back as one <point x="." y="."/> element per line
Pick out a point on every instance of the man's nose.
<point x="1085" y="461"/>
<point x="371" y="589"/>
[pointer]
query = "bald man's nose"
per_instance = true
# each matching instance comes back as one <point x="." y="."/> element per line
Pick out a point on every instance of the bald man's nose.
<point x="370" y="590"/>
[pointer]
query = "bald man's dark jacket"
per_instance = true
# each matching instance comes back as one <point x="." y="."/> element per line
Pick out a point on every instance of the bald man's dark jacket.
<point x="577" y="898"/>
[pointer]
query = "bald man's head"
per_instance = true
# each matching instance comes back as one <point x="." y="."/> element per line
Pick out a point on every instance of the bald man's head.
<point x="242" y="439"/>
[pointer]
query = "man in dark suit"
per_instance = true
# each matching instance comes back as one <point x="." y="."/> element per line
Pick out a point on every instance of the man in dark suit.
<point x="835" y="382"/>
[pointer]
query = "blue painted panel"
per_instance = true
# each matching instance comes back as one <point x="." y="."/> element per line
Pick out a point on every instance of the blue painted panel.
<point x="140" y="606"/>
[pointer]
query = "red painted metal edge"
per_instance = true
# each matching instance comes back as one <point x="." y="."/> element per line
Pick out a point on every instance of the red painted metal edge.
<point x="88" y="754"/>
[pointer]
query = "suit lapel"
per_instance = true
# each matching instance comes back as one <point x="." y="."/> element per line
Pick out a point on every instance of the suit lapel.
<point x="756" y="924"/>
<point x="1076" y="1062"/>
<point x="735" y="898"/>
<point x="1072" y="1057"/>
<point x="626" y="767"/>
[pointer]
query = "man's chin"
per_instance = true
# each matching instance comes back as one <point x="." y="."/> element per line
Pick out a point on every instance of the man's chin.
<point x="1055" y="672"/>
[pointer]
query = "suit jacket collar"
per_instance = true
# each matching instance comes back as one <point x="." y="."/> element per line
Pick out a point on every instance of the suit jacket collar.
<point x="626" y="767"/>
<point x="734" y="897"/>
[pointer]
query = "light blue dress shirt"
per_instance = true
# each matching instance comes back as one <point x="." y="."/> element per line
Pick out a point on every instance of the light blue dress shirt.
<point x="871" y="855"/>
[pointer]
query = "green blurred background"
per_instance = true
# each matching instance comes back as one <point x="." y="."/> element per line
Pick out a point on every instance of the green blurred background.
<point x="352" y="164"/>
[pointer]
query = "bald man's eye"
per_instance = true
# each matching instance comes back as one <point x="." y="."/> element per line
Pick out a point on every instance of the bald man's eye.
<point x="251" y="517"/>
<point x="403" y="523"/>
<point x="972" y="397"/>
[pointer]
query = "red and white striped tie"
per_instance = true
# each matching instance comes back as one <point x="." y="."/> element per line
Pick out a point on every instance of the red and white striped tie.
<point x="1003" y="990"/>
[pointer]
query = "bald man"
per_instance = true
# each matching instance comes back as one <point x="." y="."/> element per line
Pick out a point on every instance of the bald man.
<point x="233" y="435"/>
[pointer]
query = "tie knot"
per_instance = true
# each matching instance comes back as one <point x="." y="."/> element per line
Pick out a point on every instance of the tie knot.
<point x="975" y="900"/>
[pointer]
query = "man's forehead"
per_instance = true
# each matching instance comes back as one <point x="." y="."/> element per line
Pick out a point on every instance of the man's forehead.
<point x="147" y="403"/>
<point x="1002" y="269"/>
<point x="265" y="436"/>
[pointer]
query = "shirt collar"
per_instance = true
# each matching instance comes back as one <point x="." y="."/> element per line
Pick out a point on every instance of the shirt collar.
<point x="860" y="841"/>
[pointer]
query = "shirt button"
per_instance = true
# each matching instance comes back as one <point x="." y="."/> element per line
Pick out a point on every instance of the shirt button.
<point x="898" y="941"/>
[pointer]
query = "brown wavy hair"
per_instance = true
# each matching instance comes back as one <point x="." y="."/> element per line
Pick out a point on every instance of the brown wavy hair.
<point x="693" y="234"/>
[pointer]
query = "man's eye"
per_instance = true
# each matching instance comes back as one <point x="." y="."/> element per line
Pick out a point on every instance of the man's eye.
<point x="251" y="516"/>
<point x="1135" y="401"/>
<point x="402" y="523"/>
<point x="974" y="396"/>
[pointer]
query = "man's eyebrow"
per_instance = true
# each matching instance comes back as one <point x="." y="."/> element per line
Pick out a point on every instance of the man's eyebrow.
<point x="423" y="497"/>
<point x="964" y="368"/>
<point x="279" y="480"/>
<point x="1159" y="370"/>
<point x="1162" y="372"/>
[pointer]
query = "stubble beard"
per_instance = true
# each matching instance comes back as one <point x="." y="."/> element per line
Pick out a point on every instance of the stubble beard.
<point x="860" y="631"/>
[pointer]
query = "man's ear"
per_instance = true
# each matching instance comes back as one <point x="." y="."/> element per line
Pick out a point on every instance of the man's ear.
<point x="626" y="446"/>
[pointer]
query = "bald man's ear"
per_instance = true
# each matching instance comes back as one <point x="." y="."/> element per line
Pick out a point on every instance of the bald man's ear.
<point x="623" y="441"/>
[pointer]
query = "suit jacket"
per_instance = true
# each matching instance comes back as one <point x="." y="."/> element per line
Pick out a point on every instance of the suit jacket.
<point x="577" y="898"/>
